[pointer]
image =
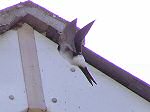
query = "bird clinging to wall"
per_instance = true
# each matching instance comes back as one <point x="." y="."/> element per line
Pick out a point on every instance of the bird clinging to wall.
<point x="70" y="46"/>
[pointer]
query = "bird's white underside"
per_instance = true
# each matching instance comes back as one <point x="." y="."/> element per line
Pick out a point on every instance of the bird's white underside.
<point x="77" y="60"/>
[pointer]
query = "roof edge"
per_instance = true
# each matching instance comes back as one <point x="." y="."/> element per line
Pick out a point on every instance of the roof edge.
<point x="123" y="77"/>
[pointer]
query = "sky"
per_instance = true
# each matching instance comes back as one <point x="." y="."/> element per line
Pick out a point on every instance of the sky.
<point x="120" y="34"/>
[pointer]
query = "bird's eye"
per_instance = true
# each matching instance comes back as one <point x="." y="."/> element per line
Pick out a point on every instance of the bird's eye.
<point x="58" y="47"/>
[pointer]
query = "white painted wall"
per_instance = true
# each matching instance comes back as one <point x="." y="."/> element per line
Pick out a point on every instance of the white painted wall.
<point x="72" y="90"/>
<point x="11" y="76"/>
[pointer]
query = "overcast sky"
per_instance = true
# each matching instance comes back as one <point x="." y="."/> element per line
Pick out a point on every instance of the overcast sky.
<point x="120" y="34"/>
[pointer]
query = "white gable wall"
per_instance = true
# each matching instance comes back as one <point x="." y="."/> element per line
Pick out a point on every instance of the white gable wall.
<point x="11" y="75"/>
<point x="73" y="91"/>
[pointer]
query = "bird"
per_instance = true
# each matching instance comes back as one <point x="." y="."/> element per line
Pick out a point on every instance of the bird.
<point x="70" y="44"/>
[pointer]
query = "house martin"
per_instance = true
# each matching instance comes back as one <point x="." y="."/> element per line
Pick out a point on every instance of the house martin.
<point x="70" y="45"/>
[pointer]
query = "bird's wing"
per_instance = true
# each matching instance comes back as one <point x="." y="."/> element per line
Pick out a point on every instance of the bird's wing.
<point x="68" y="34"/>
<point x="80" y="35"/>
<point x="88" y="75"/>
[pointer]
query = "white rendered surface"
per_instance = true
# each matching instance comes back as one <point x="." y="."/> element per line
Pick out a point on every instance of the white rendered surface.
<point x="12" y="89"/>
<point x="74" y="93"/>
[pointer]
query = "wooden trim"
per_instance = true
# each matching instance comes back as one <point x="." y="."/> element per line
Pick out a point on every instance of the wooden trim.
<point x="31" y="71"/>
<point x="123" y="77"/>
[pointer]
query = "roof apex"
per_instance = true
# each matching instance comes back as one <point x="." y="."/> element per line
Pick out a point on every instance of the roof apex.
<point x="11" y="15"/>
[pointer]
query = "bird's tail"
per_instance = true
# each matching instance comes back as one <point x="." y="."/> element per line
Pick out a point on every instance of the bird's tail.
<point x="88" y="75"/>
